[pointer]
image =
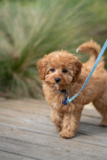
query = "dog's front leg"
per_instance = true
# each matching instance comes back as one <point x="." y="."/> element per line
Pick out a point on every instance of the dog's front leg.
<point x="57" y="118"/>
<point x="70" y="122"/>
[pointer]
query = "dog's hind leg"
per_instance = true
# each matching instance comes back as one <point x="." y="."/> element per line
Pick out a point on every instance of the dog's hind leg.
<point x="101" y="105"/>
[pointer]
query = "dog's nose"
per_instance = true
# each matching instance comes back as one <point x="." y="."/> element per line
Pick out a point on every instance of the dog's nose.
<point x="57" y="79"/>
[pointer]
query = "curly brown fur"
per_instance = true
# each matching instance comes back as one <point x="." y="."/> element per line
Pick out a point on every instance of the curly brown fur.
<point x="66" y="118"/>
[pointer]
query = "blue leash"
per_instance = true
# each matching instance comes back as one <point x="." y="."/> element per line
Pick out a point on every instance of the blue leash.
<point x="67" y="100"/>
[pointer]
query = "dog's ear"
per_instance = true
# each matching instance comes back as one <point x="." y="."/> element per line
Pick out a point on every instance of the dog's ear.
<point x="41" y="65"/>
<point x="77" y="70"/>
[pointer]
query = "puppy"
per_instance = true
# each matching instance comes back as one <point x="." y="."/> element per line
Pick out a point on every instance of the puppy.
<point x="62" y="71"/>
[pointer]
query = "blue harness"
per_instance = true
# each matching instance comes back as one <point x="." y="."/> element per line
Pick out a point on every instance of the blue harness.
<point x="67" y="100"/>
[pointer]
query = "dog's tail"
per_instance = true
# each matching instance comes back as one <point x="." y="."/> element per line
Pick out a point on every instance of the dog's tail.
<point x="90" y="47"/>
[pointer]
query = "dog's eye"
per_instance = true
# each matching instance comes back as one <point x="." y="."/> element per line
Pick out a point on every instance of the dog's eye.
<point x="52" y="69"/>
<point x="64" y="70"/>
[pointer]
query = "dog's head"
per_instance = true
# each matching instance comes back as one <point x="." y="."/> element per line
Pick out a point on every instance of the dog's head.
<point x="59" y="69"/>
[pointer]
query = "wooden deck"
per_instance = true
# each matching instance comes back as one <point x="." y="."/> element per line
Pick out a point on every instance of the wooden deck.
<point x="26" y="133"/>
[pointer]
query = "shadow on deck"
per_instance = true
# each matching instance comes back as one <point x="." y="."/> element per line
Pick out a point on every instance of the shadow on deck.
<point x="26" y="133"/>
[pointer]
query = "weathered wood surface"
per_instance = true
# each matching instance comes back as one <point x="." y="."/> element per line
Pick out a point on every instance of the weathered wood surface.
<point x="26" y="133"/>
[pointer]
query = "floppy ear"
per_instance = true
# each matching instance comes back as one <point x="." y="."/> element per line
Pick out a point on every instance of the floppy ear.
<point x="77" y="71"/>
<point x="41" y="65"/>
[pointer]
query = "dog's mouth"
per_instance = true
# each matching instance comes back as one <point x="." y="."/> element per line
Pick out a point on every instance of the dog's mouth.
<point x="57" y="86"/>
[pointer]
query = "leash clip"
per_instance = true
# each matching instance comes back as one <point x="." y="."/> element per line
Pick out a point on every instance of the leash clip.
<point x="66" y="100"/>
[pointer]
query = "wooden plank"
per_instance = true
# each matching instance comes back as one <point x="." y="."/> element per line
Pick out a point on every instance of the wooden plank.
<point x="41" y="139"/>
<point x="35" y="130"/>
<point x="27" y="109"/>
<point x="90" y="120"/>
<point x="39" y="152"/>
<point x="9" y="156"/>
<point x="27" y="103"/>
<point x="50" y="129"/>
<point x="24" y="100"/>
<point x="26" y="125"/>
<point x="71" y="146"/>
<point x="26" y="116"/>
<point x="31" y="111"/>
<point x="91" y="129"/>
<point x="91" y="113"/>
<point x="41" y="118"/>
<point x="39" y="107"/>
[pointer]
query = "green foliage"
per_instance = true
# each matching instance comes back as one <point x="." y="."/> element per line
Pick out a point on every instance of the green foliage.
<point x="30" y="29"/>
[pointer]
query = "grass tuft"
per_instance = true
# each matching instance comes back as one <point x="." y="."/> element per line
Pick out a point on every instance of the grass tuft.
<point x="28" y="30"/>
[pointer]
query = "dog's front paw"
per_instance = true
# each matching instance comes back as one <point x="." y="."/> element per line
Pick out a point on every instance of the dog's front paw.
<point x="66" y="134"/>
